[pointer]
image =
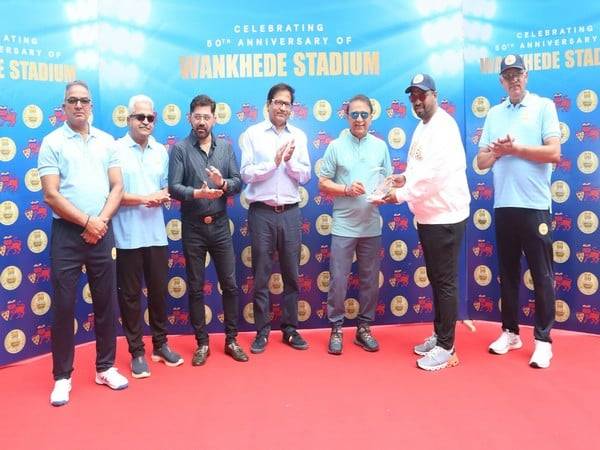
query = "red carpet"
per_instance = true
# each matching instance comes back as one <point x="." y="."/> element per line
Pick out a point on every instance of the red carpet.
<point x="289" y="399"/>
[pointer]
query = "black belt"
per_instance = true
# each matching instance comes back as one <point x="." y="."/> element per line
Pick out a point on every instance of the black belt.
<point x="210" y="218"/>
<point x="277" y="209"/>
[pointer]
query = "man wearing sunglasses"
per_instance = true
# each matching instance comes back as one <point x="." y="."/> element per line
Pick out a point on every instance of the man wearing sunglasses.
<point x="353" y="167"/>
<point x="520" y="141"/>
<point x="435" y="187"/>
<point x="141" y="237"/>
<point x="274" y="164"/>
<point x="203" y="172"/>
<point x="81" y="180"/>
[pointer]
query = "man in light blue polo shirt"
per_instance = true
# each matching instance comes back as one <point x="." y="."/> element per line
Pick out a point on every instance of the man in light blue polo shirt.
<point x="353" y="166"/>
<point x="141" y="238"/>
<point x="520" y="141"/>
<point x="81" y="179"/>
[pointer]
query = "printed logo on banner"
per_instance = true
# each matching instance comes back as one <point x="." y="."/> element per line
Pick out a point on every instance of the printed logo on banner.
<point x="88" y="324"/>
<point x="36" y="211"/>
<point x="562" y="102"/>
<point x="560" y="191"/>
<point x="8" y="116"/>
<point x="244" y="228"/>
<point x="305" y="226"/>
<point x="207" y="288"/>
<point x="482" y="219"/>
<point x="565" y="132"/>
<point x="587" y="100"/>
<point x="587" y="162"/>
<point x="341" y="111"/>
<point x="32" y="180"/>
<point x="398" y="250"/>
<point x="58" y="117"/>
<point x="380" y="309"/>
<point x="244" y="201"/>
<point x="248" y="284"/>
<point x="587" y="283"/>
<point x="321" y="140"/>
<point x="32" y="149"/>
<point x="174" y="229"/>
<point x="483" y="191"/>
<point x="353" y="281"/>
<point x="275" y="312"/>
<point x="299" y="111"/>
<point x="561" y="222"/>
<point x="398" y="165"/>
<point x="8" y="182"/>
<point x="323" y="224"/>
<point x="246" y="256"/>
<point x="176" y="259"/>
<point x="305" y="283"/>
<point x="10" y="246"/>
<point x="399" y="306"/>
<point x="482" y="275"/>
<point x="420" y="277"/>
<point x="304" y="310"/>
<point x="14" y="341"/>
<point x="171" y="114"/>
<point x="588" y="253"/>
<point x="563" y="312"/>
<point x="170" y="142"/>
<point x="588" y="131"/>
<point x="304" y="254"/>
<point x="396" y="109"/>
<point x="588" y="192"/>
<point x="40" y="303"/>
<point x="323" y="254"/>
<point x="588" y="314"/>
<point x="37" y="241"/>
<point x="323" y="281"/>
<point x="483" y="248"/>
<point x="119" y="116"/>
<point x="275" y="283"/>
<point x="247" y="113"/>
<point x="529" y="308"/>
<point x="398" y="222"/>
<point x="587" y="222"/>
<point x="424" y="305"/>
<point x="223" y="113"/>
<point x="563" y="164"/>
<point x="561" y="252"/>
<point x="480" y="107"/>
<point x="528" y="280"/>
<point x="396" y="138"/>
<point x="483" y="303"/>
<point x="248" y="313"/>
<point x="322" y="311"/>
<point x="178" y="316"/>
<point x="376" y="133"/>
<point x="322" y="110"/>
<point x="176" y="287"/>
<point x="15" y="309"/>
<point x="351" y="308"/>
<point x="562" y="282"/>
<point x="418" y="250"/>
<point x="8" y="149"/>
<point x="172" y="205"/>
<point x="324" y="198"/>
<point x="399" y="278"/>
<point x="39" y="273"/>
<point x="42" y="334"/>
<point x="10" y="278"/>
<point x="448" y="106"/>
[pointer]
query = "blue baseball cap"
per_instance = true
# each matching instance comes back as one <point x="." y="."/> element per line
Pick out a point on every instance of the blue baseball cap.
<point x="421" y="81"/>
<point x="512" y="62"/>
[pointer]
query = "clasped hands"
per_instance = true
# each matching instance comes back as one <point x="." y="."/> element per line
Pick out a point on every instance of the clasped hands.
<point x="285" y="152"/>
<point x="95" y="229"/>
<point x="504" y="146"/>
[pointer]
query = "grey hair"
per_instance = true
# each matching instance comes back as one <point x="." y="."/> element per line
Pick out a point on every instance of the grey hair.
<point x="140" y="98"/>
<point x="77" y="83"/>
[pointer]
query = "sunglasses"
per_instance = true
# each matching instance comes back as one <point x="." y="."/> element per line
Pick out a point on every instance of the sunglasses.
<point x="142" y="117"/>
<point x="82" y="100"/>
<point x="421" y="96"/>
<point x="354" y="115"/>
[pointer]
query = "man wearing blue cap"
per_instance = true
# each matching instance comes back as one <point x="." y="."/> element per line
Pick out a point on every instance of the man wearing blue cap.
<point x="520" y="141"/>
<point x="435" y="187"/>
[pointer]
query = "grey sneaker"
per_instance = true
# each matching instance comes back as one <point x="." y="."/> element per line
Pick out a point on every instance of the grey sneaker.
<point x="426" y="346"/>
<point x="365" y="339"/>
<point x="139" y="367"/>
<point x="335" y="341"/>
<point x="168" y="356"/>
<point x="507" y="341"/>
<point x="438" y="358"/>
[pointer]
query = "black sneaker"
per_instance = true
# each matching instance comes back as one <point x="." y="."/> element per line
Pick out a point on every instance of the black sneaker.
<point x="365" y="339"/>
<point x="294" y="340"/>
<point x="200" y="355"/>
<point x="234" y="350"/>
<point x="259" y="343"/>
<point x="335" y="341"/>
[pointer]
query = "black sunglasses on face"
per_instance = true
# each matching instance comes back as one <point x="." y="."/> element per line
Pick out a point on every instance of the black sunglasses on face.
<point x="82" y="100"/>
<point x="142" y="117"/>
<point x="364" y="115"/>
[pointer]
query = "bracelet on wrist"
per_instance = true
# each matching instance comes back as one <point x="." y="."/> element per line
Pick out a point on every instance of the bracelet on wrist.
<point x="223" y="184"/>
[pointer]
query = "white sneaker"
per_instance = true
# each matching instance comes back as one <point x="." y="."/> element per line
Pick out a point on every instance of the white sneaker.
<point x="507" y="341"/>
<point x="541" y="355"/>
<point x="112" y="378"/>
<point x="60" y="393"/>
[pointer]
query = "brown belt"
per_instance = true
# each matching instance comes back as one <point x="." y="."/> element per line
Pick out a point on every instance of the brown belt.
<point x="278" y="209"/>
<point x="208" y="219"/>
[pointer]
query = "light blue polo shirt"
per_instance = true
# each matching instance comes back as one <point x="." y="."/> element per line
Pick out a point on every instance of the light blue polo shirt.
<point x="518" y="182"/>
<point x="346" y="160"/>
<point x="144" y="172"/>
<point x="81" y="165"/>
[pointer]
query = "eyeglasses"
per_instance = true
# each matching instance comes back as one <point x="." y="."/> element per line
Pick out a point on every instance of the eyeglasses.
<point x="364" y="115"/>
<point x="141" y="117"/>
<point x="281" y="104"/>
<point x="509" y="76"/>
<point x="83" y="100"/>
<point x="204" y="117"/>
<point x="421" y="96"/>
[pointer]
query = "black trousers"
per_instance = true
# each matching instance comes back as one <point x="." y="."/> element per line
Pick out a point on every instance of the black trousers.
<point x="441" y="247"/>
<point x="272" y="232"/>
<point x="214" y="238"/>
<point x="68" y="252"/>
<point x="526" y="230"/>
<point x="151" y="264"/>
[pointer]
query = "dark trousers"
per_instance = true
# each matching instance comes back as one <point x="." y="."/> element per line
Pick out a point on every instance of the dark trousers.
<point x="68" y="252"/>
<point x="441" y="247"/>
<point x="528" y="231"/>
<point x="272" y="232"/>
<point x="150" y="263"/>
<point x="214" y="238"/>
